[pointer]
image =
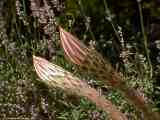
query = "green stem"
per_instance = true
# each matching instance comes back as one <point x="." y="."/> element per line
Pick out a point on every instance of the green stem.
<point x="89" y="27"/>
<point x="108" y="13"/>
<point x="144" y="37"/>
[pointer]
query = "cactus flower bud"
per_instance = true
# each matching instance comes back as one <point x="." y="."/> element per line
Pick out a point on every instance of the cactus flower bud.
<point x="75" y="50"/>
<point x="56" y="76"/>
<point x="92" y="61"/>
<point x="88" y="59"/>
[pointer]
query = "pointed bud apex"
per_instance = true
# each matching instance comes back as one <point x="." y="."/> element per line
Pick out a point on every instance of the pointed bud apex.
<point x="74" y="49"/>
<point x="45" y="69"/>
<point x="56" y="76"/>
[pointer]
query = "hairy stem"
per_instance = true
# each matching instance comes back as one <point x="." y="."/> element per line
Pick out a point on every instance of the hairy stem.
<point x="106" y="105"/>
<point x="137" y="99"/>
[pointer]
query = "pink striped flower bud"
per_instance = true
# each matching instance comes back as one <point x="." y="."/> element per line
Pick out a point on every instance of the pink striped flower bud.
<point x="74" y="49"/>
<point x="56" y="76"/>
<point x="88" y="59"/>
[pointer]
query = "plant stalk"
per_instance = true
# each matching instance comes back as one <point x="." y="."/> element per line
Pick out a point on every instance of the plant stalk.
<point x="144" y="38"/>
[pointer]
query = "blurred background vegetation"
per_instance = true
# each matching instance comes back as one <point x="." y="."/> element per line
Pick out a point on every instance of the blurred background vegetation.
<point x="112" y="27"/>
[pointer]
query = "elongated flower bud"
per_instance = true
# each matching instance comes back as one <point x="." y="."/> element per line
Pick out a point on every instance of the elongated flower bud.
<point x="92" y="61"/>
<point x="75" y="50"/>
<point x="88" y="59"/>
<point x="56" y="76"/>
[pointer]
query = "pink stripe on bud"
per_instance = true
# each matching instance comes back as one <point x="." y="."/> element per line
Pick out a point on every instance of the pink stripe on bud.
<point x="56" y="76"/>
<point x="47" y="70"/>
<point x="73" y="48"/>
